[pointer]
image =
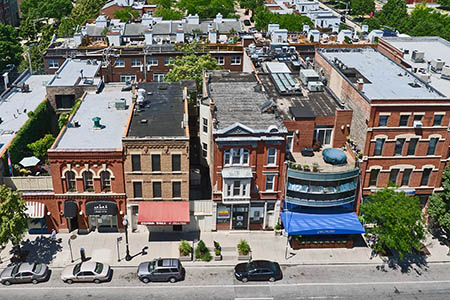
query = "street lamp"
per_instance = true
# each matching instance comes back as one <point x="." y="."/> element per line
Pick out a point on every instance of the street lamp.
<point x="125" y="224"/>
<point x="72" y="237"/>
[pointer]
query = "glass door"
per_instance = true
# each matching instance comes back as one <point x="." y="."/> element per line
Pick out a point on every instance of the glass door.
<point x="323" y="135"/>
<point x="240" y="217"/>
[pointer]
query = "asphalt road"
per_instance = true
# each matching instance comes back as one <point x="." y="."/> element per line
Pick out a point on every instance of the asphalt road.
<point x="299" y="282"/>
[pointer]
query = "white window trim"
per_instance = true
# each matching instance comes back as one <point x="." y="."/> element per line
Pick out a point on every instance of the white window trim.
<point x="274" y="159"/>
<point x="53" y="67"/>
<point x="151" y="63"/>
<point x="119" y="66"/>
<point x="136" y="66"/>
<point x="241" y="159"/>
<point x="223" y="60"/>
<point x="236" y="64"/>
<point x="273" y="183"/>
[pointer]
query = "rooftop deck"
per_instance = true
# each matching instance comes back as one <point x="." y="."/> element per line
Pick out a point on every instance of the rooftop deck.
<point x="323" y="166"/>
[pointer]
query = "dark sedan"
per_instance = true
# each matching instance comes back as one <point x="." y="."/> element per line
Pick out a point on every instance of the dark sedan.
<point x="24" y="273"/>
<point x="258" y="270"/>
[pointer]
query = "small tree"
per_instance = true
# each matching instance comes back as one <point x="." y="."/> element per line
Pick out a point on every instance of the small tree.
<point x="41" y="146"/>
<point x="243" y="247"/>
<point x="125" y="14"/>
<point x="185" y="248"/>
<point x="398" y="220"/>
<point x="439" y="207"/>
<point x="13" y="219"/>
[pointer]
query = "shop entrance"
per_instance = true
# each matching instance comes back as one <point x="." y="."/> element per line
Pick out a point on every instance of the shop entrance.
<point x="73" y="224"/>
<point x="102" y="216"/>
<point x="240" y="217"/>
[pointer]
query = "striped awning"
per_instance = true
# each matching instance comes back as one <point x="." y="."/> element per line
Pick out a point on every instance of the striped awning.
<point x="35" y="210"/>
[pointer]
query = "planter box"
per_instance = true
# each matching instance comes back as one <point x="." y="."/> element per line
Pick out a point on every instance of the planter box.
<point x="295" y="244"/>
<point x="185" y="258"/>
<point x="244" y="257"/>
<point x="277" y="232"/>
<point x="218" y="257"/>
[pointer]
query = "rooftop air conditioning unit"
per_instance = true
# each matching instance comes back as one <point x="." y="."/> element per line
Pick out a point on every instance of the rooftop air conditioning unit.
<point x="437" y="65"/>
<point x="417" y="124"/>
<point x="445" y="74"/>
<point x="418" y="56"/>
<point x="425" y="77"/>
<point x="315" y="86"/>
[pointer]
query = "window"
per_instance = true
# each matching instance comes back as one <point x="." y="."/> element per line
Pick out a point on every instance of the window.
<point x="393" y="176"/>
<point x="236" y="188"/>
<point x="229" y="187"/>
<point x="432" y="146"/>
<point x="438" y="120"/>
<point x="404" y="120"/>
<point x="53" y="64"/>
<point x="119" y="63"/>
<point x="70" y="181"/>
<point x="137" y="189"/>
<point x="221" y="60"/>
<point x="235" y="60"/>
<point x="204" y="150"/>
<point x="379" y="143"/>
<point x="373" y="177"/>
<point x="176" y="189"/>
<point x="425" y="176"/>
<point x="383" y="120"/>
<point x="205" y="125"/>
<point x="418" y="118"/>
<point x="270" y="179"/>
<point x="136" y="62"/>
<point x="88" y="181"/>
<point x="236" y="156"/>
<point x="176" y="162"/>
<point x="271" y="156"/>
<point x="323" y="135"/>
<point x="135" y="162"/>
<point x="166" y="61"/>
<point x="64" y="101"/>
<point x="105" y="179"/>
<point x="399" y="147"/>
<point x="152" y="61"/>
<point x="412" y="146"/>
<point x="156" y="189"/>
<point x="158" y="77"/>
<point x="406" y="176"/>
<point x="156" y="162"/>
<point x="127" y="78"/>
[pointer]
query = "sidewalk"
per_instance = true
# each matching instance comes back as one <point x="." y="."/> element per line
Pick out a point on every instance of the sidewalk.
<point x="264" y="245"/>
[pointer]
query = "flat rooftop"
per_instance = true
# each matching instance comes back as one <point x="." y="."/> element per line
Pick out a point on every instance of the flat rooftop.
<point x="434" y="47"/>
<point x="162" y="113"/>
<point x="324" y="166"/>
<point x="70" y="72"/>
<point x="113" y="122"/>
<point x="16" y="105"/>
<point x="383" y="78"/>
<point x="238" y="99"/>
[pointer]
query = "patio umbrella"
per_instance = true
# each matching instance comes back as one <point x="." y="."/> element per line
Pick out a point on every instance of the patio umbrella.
<point x="29" y="161"/>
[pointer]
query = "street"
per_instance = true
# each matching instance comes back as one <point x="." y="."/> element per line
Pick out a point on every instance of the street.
<point x="299" y="282"/>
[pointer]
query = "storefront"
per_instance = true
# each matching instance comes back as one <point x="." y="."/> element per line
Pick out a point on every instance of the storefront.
<point x="102" y="216"/>
<point x="37" y="223"/>
<point x="258" y="215"/>
<point x="164" y="216"/>
<point x="71" y="214"/>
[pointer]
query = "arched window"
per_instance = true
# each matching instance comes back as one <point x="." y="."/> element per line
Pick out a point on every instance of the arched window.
<point x="88" y="181"/>
<point x="105" y="178"/>
<point x="70" y="181"/>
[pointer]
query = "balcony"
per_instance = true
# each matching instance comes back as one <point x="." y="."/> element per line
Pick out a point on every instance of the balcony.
<point x="322" y="166"/>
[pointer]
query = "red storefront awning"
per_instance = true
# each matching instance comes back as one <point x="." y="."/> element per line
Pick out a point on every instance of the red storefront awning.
<point x="163" y="213"/>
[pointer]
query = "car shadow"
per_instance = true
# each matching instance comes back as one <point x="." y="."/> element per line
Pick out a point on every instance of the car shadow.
<point x="109" y="279"/>
<point x="40" y="250"/>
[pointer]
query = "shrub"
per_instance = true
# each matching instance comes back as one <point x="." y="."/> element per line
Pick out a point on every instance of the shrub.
<point x="217" y="245"/>
<point x="202" y="252"/>
<point x="217" y="252"/>
<point x="243" y="247"/>
<point x="185" y="248"/>
<point x="277" y="226"/>
<point x="41" y="146"/>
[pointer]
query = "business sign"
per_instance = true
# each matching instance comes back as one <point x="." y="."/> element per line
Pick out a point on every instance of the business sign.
<point x="101" y="208"/>
<point x="163" y="223"/>
<point x="223" y="213"/>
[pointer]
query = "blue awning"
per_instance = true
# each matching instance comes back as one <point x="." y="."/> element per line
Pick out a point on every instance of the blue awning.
<point x="311" y="224"/>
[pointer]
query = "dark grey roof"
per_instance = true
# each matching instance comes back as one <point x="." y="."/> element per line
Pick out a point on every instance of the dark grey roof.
<point x="163" y="112"/>
<point x="134" y="29"/>
<point x="301" y="112"/>
<point x="95" y="31"/>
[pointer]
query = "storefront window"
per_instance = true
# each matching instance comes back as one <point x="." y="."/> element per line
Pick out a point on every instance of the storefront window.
<point x="256" y="216"/>
<point x="106" y="181"/>
<point x="223" y="217"/>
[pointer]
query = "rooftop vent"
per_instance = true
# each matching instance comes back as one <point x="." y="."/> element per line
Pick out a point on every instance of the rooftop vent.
<point x="144" y="121"/>
<point x="97" y="124"/>
<point x="76" y="123"/>
<point x="437" y="65"/>
<point x="418" y="56"/>
<point x="120" y="104"/>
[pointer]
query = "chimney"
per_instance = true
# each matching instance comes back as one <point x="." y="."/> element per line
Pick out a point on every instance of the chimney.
<point x="360" y="84"/>
<point x="180" y="34"/>
<point x="218" y="18"/>
<point x="114" y="38"/>
<point x="101" y="21"/>
<point x="149" y="35"/>
<point x="212" y="34"/>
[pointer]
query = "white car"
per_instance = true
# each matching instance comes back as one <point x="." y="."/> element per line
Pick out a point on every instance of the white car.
<point x="86" y="271"/>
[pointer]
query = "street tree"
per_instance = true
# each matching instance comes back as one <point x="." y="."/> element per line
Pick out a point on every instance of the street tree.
<point x="168" y="13"/>
<point x="35" y="9"/>
<point x="444" y="3"/>
<point x="28" y="29"/>
<point x="125" y="14"/>
<point x="362" y="7"/>
<point x="398" y="221"/>
<point x="292" y="22"/>
<point x="83" y="10"/>
<point x="251" y="4"/>
<point x="394" y="14"/>
<point x="10" y="48"/>
<point x="13" y="218"/>
<point x="439" y="206"/>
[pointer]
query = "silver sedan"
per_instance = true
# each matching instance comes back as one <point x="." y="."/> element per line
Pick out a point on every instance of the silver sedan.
<point x="24" y="273"/>
<point x="86" y="271"/>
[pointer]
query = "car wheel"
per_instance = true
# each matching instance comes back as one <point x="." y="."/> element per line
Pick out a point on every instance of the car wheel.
<point x="272" y="279"/>
<point x="69" y="281"/>
<point x="145" y="280"/>
<point x="97" y="281"/>
<point x="244" y="279"/>
<point x="6" y="282"/>
<point x="34" y="281"/>
<point x="172" y="280"/>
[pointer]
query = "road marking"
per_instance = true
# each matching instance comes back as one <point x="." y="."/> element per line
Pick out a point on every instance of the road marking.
<point x="274" y="285"/>
<point x="253" y="298"/>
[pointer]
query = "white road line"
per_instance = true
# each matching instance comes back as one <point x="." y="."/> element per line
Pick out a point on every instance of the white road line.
<point x="253" y="298"/>
<point x="70" y="287"/>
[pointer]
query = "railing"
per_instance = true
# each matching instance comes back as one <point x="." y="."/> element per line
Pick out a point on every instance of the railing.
<point x="29" y="183"/>
<point x="322" y="176"/>
<point x="319" y="203"/>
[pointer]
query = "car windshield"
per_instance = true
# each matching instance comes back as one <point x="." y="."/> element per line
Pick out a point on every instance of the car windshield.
<point x="37" y="268"/>
<point x="76" y="269"/>
<point x="15" y="270"/>
<point x="98" y="268"/>
<point x="151" y="266"/>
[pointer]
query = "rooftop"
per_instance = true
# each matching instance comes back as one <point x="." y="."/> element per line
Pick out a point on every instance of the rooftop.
<point x="383" y="78"/>
<point x="15" y="106"/>
<point x="113" y="121"/>
<point x="162" y="112"/>
<point x="76" y="72"/>
<point x="323" y="166"/>
<point x="433" y="47"/>
<point x="238" y="99"/>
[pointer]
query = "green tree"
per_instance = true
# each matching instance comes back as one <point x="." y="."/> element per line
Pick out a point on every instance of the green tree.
<point x="83" y="10"/>
<point x="28" y="29"/>
<point x="398" y="219"/>
<point x="251" y="4"/>
<point x="35" y="9"/>
<point x="168" y="13"/>
<point x="292" y="22"/>
<point x="439" y="206"/>
<point x="41" y="146"/>
<point x="167" y="4"/>
<point x="362" y="7"/>
<point x="13" y="219"/>
<point x="125" y="14"/>
<point x="207" y="8"/>
<point x="10" y="49"/>
<point x="444" y="3"/>
<point x="394" y="14"/>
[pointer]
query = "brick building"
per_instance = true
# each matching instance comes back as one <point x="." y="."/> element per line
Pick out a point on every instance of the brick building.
<point x="399" y="122"/>
<point x="156" y="157"/>
<point x="141" y="7"/>
<point x="244" y="147"/>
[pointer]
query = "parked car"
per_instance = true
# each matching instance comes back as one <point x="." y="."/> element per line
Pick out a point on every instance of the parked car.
<point x="161" y="269"/>
<point x="86" y="271"/>
<point x="258" y="270"/>
<point x="24" y="273"/>
<point x="247" y="23"/>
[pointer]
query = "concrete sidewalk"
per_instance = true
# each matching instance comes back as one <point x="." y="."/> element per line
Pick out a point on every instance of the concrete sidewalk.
<point x="264" y="245"/>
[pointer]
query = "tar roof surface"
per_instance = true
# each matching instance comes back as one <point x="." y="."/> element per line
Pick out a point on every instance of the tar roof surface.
<point x="237" y="101"/>
<point x="163" y="111"/>
<point x="12" y="109"/>
<point x="388" y="79"/>
<point x="114" y="122"/>
<point x="69" y="73"/>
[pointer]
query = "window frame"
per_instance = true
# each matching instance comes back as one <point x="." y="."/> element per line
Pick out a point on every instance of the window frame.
<point x="159" y="185"/>
<point x="151" y="60"/>
<point x="204" y="150"/>
<point x="220" y="60"/>
<point x="105" y="183"/>
<point x="270" y="180"/>
<point x="410" y="143"/>
<point x="396" y="172"/>
<point x="174" y="167"/>
<point x="88" y="180"/>
<point x="244" y="157"/>
<point x="133" y="62"/>
<point x="174" y="183"/>
<point x="154" y="155"/>
<point x="380" y="152"/>
<point x="204" y="125"/>
<point x="374" y="173"/>
<point x="399" y="143"/>
<point x="71" y="180"/>
<point x="53" y="64"/>
<point x="382" y="117"/>
<point x="234" y="60"/>
<point x="432" y="147"/>
<point x="408" y="172"/>
<point x="272" y="156"/>
<point x="436" y="117"/>
<point x="136" y="162"/>
<point x="401" y="122"/>
<point x="135" y="184"/>
<point x="121" y="65"/>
